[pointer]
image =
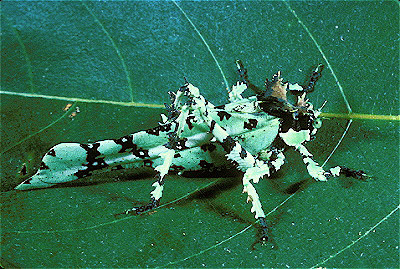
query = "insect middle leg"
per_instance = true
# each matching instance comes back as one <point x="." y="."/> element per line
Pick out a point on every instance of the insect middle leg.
<point x="253" y="168"/>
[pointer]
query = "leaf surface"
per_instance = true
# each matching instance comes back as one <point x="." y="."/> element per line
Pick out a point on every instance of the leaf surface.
<point x="110" y="55"/>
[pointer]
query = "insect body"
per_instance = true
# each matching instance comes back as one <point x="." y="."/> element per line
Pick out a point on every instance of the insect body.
<point x="250" y="134"/>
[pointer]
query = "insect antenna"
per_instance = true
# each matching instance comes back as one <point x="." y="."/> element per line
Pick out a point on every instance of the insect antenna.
<point x="322" y="106"/>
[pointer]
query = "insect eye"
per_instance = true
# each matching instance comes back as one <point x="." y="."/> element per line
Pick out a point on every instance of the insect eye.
<point x="317" y="123"/>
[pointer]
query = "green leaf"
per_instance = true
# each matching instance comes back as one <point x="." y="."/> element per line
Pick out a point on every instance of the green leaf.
<point x="109" y="55"/>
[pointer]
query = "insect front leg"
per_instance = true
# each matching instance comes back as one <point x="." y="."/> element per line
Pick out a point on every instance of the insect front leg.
<point x="308" y="86"/>
<point x="319" y="174"/>
<point x="312" y="80"/>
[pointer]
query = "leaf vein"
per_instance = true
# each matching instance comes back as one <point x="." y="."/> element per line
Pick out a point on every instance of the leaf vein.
<point x="114" y="45"/>
<point x="205" y="43"/>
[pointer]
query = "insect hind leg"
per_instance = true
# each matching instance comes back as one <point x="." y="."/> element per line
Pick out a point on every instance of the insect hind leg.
<point x="158" y="185"/>
<point x="177" y="116"/>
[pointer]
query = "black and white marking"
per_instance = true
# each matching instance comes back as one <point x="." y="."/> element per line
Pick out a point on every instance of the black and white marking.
<point x="250" y="134"/>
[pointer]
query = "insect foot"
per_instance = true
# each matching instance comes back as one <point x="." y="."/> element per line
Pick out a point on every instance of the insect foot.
<point x="357" y="174"/>
<point x="263" y="236"/>
<point x="264" y="230"/>
<point x="144" y="208"/>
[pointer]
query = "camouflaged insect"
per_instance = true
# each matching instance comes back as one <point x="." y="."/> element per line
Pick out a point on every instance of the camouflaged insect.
<point x="250" y="134"/>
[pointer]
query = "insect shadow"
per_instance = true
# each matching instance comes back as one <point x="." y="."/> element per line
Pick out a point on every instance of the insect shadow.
<point x="225" y="184"/>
